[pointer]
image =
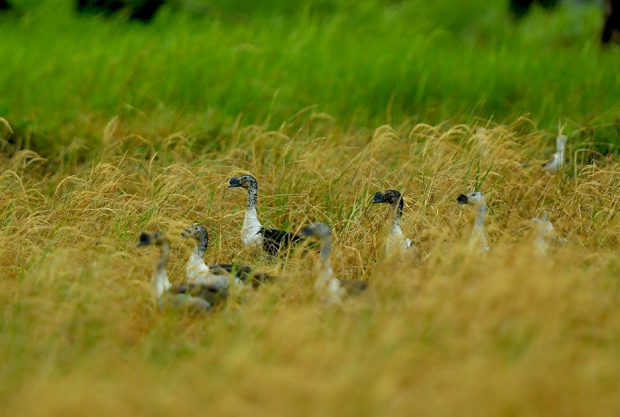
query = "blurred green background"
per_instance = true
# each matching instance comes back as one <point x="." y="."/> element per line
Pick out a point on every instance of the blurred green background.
<point x="364" y="63"/>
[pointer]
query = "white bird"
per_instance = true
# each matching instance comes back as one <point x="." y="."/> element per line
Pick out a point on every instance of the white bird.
<point x="557" y="161"/>
<point x="396" y="242"/>
<point x="329" y="288"/>
<point x="477" y="200"/>
<point x="544" y="234"/>
<point x="195" y="298"/>
<point x="253" y="234"/>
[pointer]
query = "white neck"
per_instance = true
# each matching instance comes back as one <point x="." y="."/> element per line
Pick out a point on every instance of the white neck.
<point x="326" y="282"/>
<point x="160" y="283"/>
<point x="560" y="145"/>
<point x="477" y="235"/>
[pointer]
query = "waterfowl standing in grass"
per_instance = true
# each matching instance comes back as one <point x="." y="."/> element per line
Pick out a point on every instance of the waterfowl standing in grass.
<point x="253" y="234"/>
<point x="557" y="161"/>
<point x="195" y="298"/>
<point x="396" y="242"/>
<point x="477" y="200"/>
<point x="198" y="271"/>
<point x="328" y="287"/>
<point x="544" y="233"/>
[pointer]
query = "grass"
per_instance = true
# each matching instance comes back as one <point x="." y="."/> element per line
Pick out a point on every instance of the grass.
<point x="119" y="128"/>
<point x="363" y="63"/>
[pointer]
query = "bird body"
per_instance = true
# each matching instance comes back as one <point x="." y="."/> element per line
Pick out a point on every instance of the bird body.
<point x="545" y="235"/>
<point x="197" y="271"/>
<point x="195" y="298"/>
<point x="544" y="229"/>
<point x="396" y="242"/>
<point x="557" y="161"/>
<point x="329" y="288"/>
<point x="478" y="238"/>
<point x="251" y="230"/>
<point x="253" y="234"/>
<point x="220" y="275"/>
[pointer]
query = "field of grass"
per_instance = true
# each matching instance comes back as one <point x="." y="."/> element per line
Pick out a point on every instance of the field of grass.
<point x="112" y="128"/>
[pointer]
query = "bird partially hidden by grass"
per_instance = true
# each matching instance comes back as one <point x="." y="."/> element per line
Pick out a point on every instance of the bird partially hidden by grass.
<point x="396" y="242"/>
<point x="478" y="237"/>
<point x="220" y="275"/>
<point x="192" y="297"/>
<point x="557" y="161"/>
<point x="329" y="288"/>
<point x="253" y="234"/>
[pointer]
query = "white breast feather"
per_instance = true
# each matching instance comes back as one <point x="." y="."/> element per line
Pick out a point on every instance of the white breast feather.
<point x="250" y="231"/>
<point x="197" y="272"/>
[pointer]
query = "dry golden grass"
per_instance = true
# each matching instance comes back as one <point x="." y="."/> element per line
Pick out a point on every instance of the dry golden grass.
<point x="507" y="334"/>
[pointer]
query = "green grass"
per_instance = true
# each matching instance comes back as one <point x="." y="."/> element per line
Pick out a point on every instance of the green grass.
<point x="122" y="127"/>
<point x="363" y="63"/>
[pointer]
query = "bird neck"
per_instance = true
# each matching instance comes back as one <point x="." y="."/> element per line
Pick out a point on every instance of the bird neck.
<point x="481" y="214"/>
<point x="326" y="250"/>
<point x="201" y="247"/>
<point x="398" y="214"/>
<point x="252" y="197"/>
<point x="477" y="234"/>
<point x="560" y="146"/>
<point x="160" y="282"/>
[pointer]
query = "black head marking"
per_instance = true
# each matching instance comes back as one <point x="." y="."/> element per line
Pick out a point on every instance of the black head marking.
<point x="145" y="239"/>
<point x="245" y="181"/>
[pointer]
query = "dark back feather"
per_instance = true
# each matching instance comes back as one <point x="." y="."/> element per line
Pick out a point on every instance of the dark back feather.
<point x="213" y="294"/>
<point x="353" y="287"/>
<point x="275" y="240"/>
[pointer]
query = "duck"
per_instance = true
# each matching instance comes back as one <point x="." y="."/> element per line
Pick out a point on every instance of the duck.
<point x="557" y="161"/>
<point x="329" y="288"/>
<point x="477" y="200"/>
<point x="191" y="297"/>
<point x="396" y="242"/>
<point x="253" y="233"/>
<point x="198" y="272"/>
<point x="544" y="234"/>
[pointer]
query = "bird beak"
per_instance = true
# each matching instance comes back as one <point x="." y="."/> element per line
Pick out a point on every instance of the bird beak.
<point x="306" y="231"/>
<point x="145" y="239"/>
<point x="186" y="233"/>
<point x="234" y="183"/>
<point x="462" y="199"/>
<point x="378" y="198"/>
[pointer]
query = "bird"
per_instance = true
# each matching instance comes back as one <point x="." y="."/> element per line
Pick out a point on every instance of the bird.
<point x="192" y="297"/>
<point x="477" y="200"/>
<point x="329" y="288"/>
<point x="557" y="161"/>
<point x="219" y="275"/>
<point x="396" y="242"/>
<point x="253" y="234"/>
<point x="544" y="233"/>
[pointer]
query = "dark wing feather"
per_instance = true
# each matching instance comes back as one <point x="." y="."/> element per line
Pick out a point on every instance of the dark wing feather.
<point x="261" y="278"/>
<point x="275" y="240"/>
<point x="243" y="272"/>
<point x="221" y="269"/>
<point x="235" y="269"/>
<point x="213" y="294"/>
<point x="353" y="286"/>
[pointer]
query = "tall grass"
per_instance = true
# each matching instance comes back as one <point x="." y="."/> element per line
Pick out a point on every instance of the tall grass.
<point x="110" y="128"/>
<point x="508" y="334"/>
<point x="364" y="63"/>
